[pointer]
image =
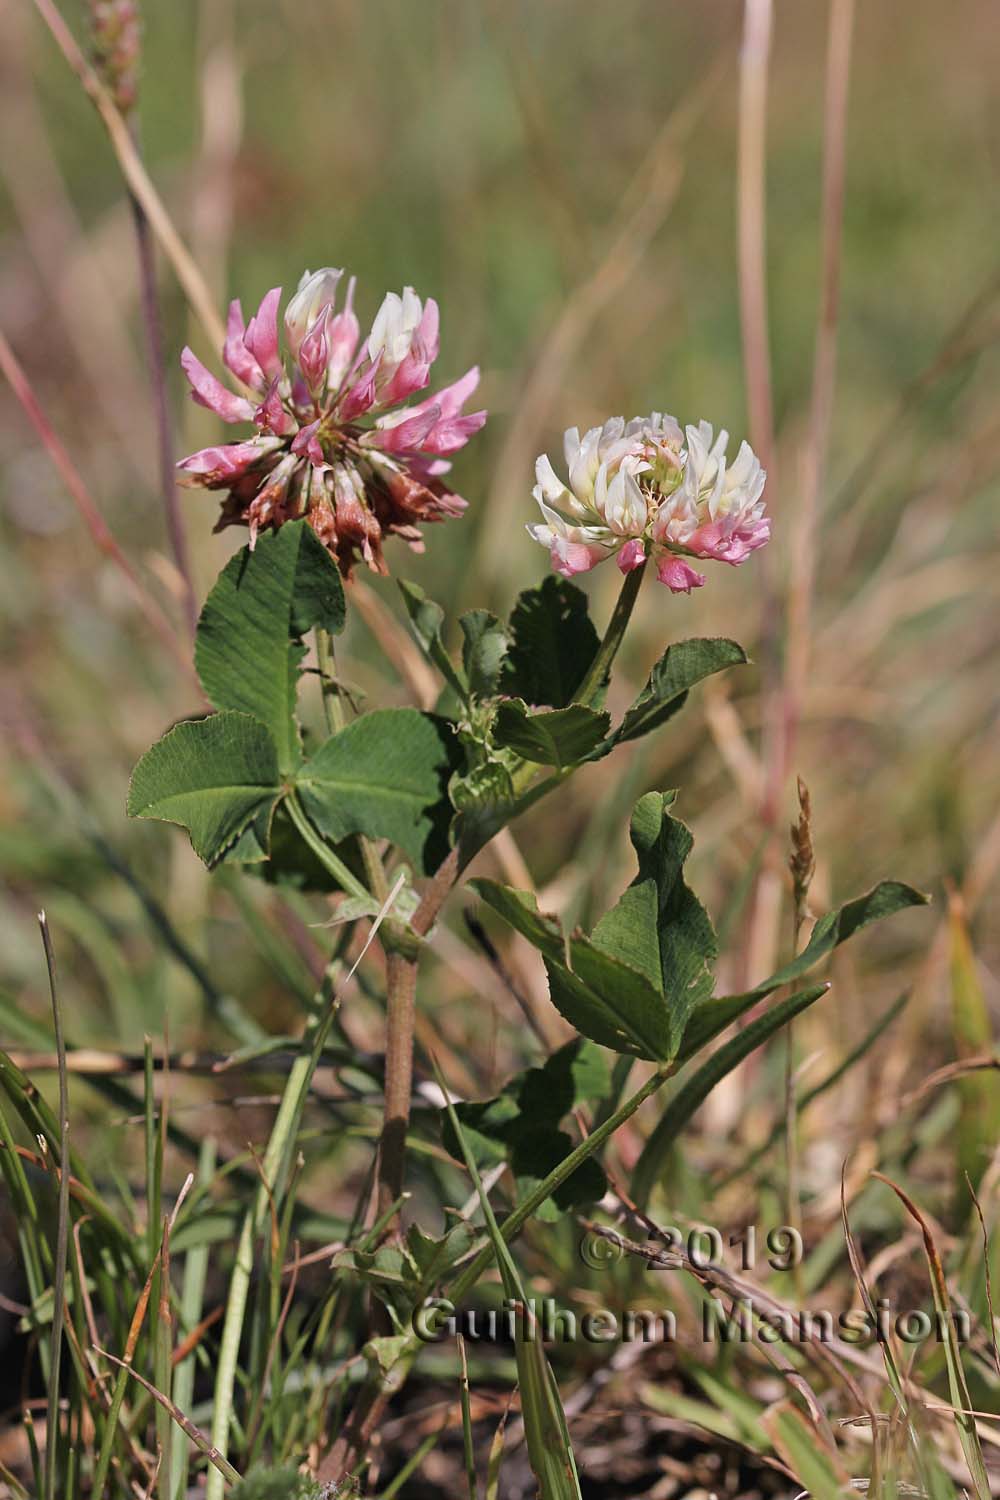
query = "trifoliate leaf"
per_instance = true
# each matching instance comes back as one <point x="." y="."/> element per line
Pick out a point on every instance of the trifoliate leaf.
<point x="659" y="926"/>
<point x="632" y="984"/>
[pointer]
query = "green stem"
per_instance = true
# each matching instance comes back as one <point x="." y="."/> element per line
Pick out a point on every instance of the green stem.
<point x="332" y="706"/>
<point x="327" y="858"/>
<point x="600" y="667"/>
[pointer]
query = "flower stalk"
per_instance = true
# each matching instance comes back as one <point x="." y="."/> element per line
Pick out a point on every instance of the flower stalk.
<point x="599" y="670"/>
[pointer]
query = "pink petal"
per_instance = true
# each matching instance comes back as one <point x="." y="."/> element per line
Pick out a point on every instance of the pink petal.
<point x="358" y="397"/>
<point x="427" y="468"/>
<point x="208" y="391"/>
<point x="235" y="354"/>
<point x="451" y="398"/>
<point x="570" y="558"/>
<point x="412" y="375"/>
<point x="732" y="543"/>
<point x="222" y="465"/>
<point x="632" y="555"/>
<point x="261" y="337"/>
<point x="678" y="575"/>
<point x="306" y="441"/>
<point x="271" y="415"/>
<point x="452" y="433"/>
<point x="345" y="330"/>
<point x="414" y="369"/>
<point x="406" y="436"/>
<point x="427" y="330"/>
<point x="314" y="351"/>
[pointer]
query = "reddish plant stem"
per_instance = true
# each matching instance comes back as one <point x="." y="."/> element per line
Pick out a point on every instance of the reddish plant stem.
<point x="402" y="963"/>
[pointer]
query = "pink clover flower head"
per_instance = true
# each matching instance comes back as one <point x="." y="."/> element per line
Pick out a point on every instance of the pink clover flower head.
<point x="643" y="490"/>
<point x="334" y="441"/>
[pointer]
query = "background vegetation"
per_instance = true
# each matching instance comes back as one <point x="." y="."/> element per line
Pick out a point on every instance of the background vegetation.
<point x="565" y="179"/>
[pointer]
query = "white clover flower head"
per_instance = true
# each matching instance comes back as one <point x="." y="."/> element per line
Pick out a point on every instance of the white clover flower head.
<point x="643" y="489"/>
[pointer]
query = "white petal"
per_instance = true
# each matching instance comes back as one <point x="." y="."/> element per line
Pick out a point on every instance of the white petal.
<point x="584" y="468"/>
<point x="549" y="482"/>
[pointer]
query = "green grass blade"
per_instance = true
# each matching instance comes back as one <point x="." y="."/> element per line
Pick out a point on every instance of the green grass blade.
<point x="545" y="1430"/>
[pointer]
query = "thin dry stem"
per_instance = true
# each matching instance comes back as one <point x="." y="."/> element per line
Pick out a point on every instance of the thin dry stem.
<point x="752" y="219"/>
<point x="807" y="517"/>
<point x="135" y="174"/>
<point x="172" y="513"/>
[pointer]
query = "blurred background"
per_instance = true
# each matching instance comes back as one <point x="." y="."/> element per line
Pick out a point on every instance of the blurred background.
<point x="564" y="179"/>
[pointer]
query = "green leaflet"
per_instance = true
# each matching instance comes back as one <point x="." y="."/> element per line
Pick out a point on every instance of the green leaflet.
<point x="385" y="775"/>
<point x="610" y="1002"/>
<point x="710" y="1016"/>
<point x="556" y="737"/>
<point x="552" y="643"/>
<point x="680" y="668"/>
<point x="483" y="651"/>
<point x="519" y="910"/>
<point x="659" y="925"/>
<point x="249" y="648"/>
<point x="215" y="777"/>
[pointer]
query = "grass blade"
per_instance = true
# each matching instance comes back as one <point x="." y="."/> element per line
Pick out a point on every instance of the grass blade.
<point x="545" y="1430"/>
<point x="960" y="1398"/>
<point x="62" y="1224"/>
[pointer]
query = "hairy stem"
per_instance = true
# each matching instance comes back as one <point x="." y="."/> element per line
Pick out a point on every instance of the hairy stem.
<point x="401" y="978"/>
<point x="400" y="1022"/>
